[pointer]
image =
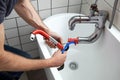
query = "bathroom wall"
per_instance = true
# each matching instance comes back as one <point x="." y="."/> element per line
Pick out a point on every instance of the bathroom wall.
<point x="18" y="31"/>
<point x="108" y="6"/>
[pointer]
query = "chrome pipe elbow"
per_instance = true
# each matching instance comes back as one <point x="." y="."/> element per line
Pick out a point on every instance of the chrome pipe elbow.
<point x="90" y="39"/>
<point x="99" y="21"/>
<point x="77" y="19"/>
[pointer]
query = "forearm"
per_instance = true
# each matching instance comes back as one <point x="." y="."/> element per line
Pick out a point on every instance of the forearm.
<point x="12" y="62"/>
<point x="25" y="9"/>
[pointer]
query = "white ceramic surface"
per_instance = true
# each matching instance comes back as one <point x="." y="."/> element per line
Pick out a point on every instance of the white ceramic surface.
<point x="96" y="61"/>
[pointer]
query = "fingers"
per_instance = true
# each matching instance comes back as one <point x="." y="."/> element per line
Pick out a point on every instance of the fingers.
<point x="65" y="52"/>
<point x="59" y="51"/>
<point x="56" y="36"/>
<point x="59" y="39"/>
<point x="50" y="44"/>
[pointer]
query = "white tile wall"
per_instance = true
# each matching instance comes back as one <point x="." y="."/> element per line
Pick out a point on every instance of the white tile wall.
<point x="84" y="1"/>
<point x="26" y="30"/>
<point x="91" y="1"/>
<point x="11" y="23"/>
<point x="108" y="6"/>
<point x="29" y="47"/>
<point x="34" y="53"/>
<point x="14" y="41"/>
<point x="34" y="3"/>
<point x="44" y="4"/>
<point x="59" y="10"/>
<point x="119" y="6"/>
<point x="44" y="13"/>
<point x="11" y="33"/>
<point x="74" y="9"/>
<point x="25" y="39"/>
<point x="21" y="22"/>
<point x="17" y="46"/>
<point x="85" y="9"/>
<point x="111" y="2"/>
<point x="59" y="3"/>
<point x="74" y="2"/>
<point x="117" y="20"/>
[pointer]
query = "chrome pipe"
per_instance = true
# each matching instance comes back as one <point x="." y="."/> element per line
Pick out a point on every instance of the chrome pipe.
<point x="98" y="20"/>
<point x="113" y="13"/>
<point x="92" y="38"/>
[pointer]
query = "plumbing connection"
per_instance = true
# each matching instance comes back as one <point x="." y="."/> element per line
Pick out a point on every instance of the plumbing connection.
<point x="70" y="41"/>
<point x="59" y="45"/>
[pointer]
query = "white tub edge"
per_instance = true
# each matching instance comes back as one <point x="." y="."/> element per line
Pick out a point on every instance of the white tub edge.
<point x="114" y="31"/>
<point x="43" y="47"/>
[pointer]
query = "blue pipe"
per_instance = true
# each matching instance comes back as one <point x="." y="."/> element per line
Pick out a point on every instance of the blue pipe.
<point x="67" y="46"/>
<point x="63" y="50"/>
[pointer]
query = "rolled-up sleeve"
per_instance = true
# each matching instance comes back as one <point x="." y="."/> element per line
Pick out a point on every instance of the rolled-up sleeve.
<point x="2" y="10"/>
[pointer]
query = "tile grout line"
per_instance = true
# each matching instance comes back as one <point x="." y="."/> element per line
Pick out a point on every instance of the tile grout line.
<point x="18" y="34"/>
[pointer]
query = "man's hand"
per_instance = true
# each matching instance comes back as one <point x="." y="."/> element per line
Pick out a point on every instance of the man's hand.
<point x="58" y="58"/>
<point x="56" y="37"/>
